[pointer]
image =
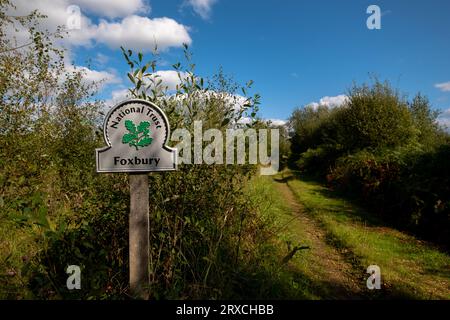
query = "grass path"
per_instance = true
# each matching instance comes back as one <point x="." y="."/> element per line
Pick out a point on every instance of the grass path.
<point x="345" y="240"/>
<point x="322" y="263"/>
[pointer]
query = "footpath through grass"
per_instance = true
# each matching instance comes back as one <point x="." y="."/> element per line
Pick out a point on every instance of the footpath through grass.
<point x="307" y="267"/>
<point x="279" y="219"/>
<point x="410" y="268"/>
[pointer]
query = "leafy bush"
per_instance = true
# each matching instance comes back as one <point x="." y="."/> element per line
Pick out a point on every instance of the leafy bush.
<point x="375" y="117"/>
<point x="406" y="186"/>
<point x="366" y="172"/>
<point x="307" y="124"/>
<point x="426" y="186"/>
<point x="387" y="151"/>
<point x="206" y="234"/>
<point x="318" y="160"/>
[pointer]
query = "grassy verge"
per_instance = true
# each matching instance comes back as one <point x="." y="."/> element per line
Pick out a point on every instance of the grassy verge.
<point x="268" y="277"/>
<point x="281" y="223"/>
<point x="318" y="272"/>
<point x="410" y="268"/>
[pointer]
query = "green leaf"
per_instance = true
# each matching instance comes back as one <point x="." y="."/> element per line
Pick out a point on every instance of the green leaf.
<point x="125" y="54"/>
<point x="145" y="142"/>
<point x="130" y="76"/>
<point x="130" y="126"/>
<point x="143" y="125"/>
<point x="128" y="137"/>
<point x="140" y="56"/>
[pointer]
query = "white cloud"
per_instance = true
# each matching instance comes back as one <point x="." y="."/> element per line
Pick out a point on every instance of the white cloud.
<point x="57" y="14"/>
<point x="245" y="120"/>
<point x="113" y="8"/>
<point x="95" y="75"/>
<point x="201" y="7"/>
<point x="133" y="31"/>
<point x="120" y="94"/>
<point x="234" y="103"/>
<point x="235" y="100"/>
<point x="330" y="102"/>
<point x="277" y="122"/>
<point x="101" y="59"/>
<point x="443" y="86"/>
<point x="169" y="78"/>
<point x="117" y="96"/>
<point x="141" y="33"/>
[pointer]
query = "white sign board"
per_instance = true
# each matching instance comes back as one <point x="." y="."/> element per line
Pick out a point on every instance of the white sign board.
<point x="136" y="132"/>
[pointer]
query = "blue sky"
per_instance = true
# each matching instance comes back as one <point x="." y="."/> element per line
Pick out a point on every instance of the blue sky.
<point x="297" y="52"/>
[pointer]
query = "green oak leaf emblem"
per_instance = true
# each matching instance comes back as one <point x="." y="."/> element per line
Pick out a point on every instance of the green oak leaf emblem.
<point x="138" y="136"/>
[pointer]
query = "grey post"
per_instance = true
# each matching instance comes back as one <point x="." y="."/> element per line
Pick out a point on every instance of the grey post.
<point x="139" y="235"/>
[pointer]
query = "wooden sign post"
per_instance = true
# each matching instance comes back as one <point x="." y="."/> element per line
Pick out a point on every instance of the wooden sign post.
<point x="139" y="235"/>
<point x="136" y="134"/>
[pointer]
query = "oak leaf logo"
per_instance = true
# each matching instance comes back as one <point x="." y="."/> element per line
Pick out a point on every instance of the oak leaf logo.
<point x="137" y="136"/>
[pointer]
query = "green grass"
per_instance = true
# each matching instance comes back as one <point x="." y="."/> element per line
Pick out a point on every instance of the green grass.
<point x="309" y="273"/>
<point x="409" y="267"/>
<point x="283" y="228"/>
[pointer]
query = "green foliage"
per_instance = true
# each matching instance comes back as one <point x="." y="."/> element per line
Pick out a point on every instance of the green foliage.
<point x="202" y="221"/>
<point x="406" y="186"/>
<point x="214" y="101"/>
<point x="375" y="117"/>
<point x="57" y="211"/>
<point x="308" y="124"/>
<point x="375" y="146"/>
<point x="413" y="269"/>
<point x="318" y="160"/>
<point x="428" y="132"/>
<point x="284" y="145"/>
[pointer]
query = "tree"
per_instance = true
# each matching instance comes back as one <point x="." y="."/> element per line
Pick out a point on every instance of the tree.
<point x="375" y="117"/>
<point x="428" y="132"/>
<point x="306" y="123"/>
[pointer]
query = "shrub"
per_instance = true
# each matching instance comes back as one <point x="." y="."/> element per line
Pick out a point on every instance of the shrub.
<point x="319" y="160"/>
<point x="406" y="186"/>
<point x="204" y="229"/>
<point x="375" y="117"/>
